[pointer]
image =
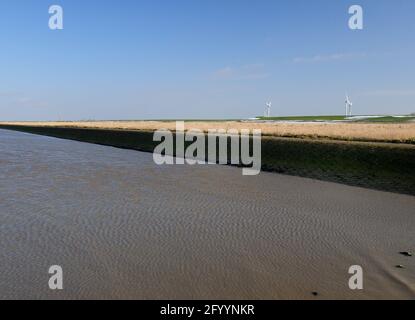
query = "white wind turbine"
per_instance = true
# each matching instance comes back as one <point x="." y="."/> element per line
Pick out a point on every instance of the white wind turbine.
<point x="268" y="109"/>
<point x="349" y="105"/>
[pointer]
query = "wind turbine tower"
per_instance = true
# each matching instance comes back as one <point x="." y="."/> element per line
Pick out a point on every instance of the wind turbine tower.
<point x="349" y="105"/>
<point x="268" y="109"/>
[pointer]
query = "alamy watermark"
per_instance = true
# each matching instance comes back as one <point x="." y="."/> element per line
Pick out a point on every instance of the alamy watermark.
<point x="356" y="18"/>
<point x="356" y="280"/>
<point x="56" y="18"/>
<point x="56" y="280"/>
<point x="242" y="148"/>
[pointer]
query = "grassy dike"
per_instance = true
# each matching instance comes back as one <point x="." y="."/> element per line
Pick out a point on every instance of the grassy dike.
<point x="381" y="166"/>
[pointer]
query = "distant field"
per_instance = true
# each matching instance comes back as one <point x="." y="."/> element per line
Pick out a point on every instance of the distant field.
<point x="386" y="119"/>
<point x="304" y="118"/>
<point x="389" y="120"/>
<point x="349" y="131"/>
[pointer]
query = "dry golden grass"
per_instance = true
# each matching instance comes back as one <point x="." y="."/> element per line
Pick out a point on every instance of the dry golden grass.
<point x="393" y="132"/>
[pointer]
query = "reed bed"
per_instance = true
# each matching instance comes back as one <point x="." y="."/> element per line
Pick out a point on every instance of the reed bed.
<point x="378" y="132"/>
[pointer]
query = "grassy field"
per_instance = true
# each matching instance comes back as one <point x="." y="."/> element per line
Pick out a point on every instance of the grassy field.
<point x="382" y="166"/>
<point x="305" y="118"/>
<point x="389" y="119"/>
<point x="349" y="131"/>
<point x="385" y="119"/>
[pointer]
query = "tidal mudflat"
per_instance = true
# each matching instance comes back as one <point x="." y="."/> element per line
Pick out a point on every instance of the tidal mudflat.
<point x="122" y="227"/>
<point x="381" y="166"/>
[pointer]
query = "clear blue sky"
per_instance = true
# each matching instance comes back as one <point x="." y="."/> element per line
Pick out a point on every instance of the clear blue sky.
<point x="204" y="59"/>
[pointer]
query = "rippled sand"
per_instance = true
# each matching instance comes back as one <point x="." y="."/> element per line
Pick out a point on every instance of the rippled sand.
<point x="122" y="227"/>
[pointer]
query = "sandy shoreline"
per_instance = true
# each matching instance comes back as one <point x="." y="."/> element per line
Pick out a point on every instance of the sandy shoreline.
<point x="391" y="132"/>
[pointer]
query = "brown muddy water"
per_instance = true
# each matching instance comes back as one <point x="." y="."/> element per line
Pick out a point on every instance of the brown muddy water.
<point x="122" y="227"/>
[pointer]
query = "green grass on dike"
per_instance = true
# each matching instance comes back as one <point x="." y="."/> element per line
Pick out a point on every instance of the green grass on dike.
<point x="388" y="119"/>
<point x="385" y="119"/>
<point x="304" y="118"/>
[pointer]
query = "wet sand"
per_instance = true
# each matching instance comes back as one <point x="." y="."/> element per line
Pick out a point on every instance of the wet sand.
<point x="122" y="227"/>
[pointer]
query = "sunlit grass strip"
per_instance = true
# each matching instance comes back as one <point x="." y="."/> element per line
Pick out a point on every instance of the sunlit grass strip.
<point x="305" y="118"/>
<point x="347" y="130"/>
